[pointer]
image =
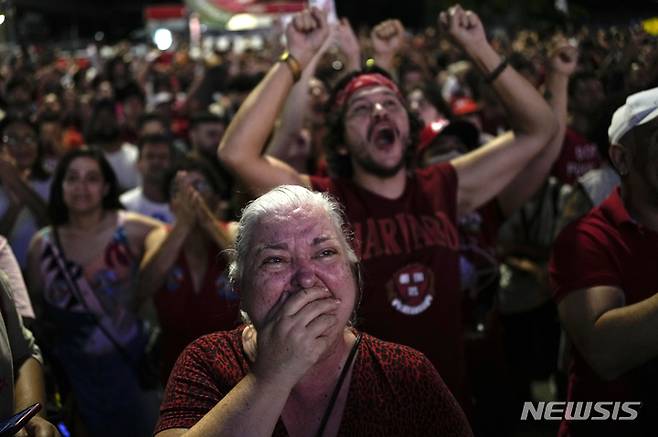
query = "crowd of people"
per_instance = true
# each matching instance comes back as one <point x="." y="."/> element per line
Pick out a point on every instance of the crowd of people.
<point x="341" y="233"/>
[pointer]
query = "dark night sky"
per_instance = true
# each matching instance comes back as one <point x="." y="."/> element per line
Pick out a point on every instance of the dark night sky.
<point x="65" y="19"/>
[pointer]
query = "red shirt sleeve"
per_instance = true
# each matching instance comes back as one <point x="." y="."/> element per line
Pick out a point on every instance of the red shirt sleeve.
<point x="441" y="179"/>
<point x="580" y="259"/>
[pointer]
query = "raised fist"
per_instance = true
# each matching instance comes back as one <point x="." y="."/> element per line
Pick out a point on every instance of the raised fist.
<point x="387" y="37"/>
<point x="563" y="57"/>
<point x="463" y="27"/>
<point x="306" y="34"/>
<point x="348" y="43"/>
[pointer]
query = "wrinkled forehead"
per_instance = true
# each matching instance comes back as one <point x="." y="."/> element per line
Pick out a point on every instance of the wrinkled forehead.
<point x="299" y="224"/>
<point x="372" y="93"/>
<point x="293" y="219"/>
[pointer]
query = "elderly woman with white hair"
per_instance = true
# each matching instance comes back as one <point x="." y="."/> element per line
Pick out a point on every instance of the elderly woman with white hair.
<point x="298" y="366"/>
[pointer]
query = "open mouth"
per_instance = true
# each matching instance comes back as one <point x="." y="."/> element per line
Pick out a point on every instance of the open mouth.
<point x="383" y="135"/>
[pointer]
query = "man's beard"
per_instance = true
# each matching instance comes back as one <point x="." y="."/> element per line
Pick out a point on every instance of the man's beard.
<point x="373" y="168"/>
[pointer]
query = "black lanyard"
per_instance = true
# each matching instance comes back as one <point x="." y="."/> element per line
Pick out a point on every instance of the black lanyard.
<point x="339" y="385"/>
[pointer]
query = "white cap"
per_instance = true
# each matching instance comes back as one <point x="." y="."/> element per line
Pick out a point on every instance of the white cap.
<point x="639" y="108"/>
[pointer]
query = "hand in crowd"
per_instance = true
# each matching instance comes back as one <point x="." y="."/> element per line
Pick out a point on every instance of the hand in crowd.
<point x="306" y="34"/>
<point x="563" y="57"/>
<point x="38" y="427"/>
<point x="189" y="205"/>
<point x="206" y="218"/>
<point x="348" y="43"/>
<point x="291" y="339"/>
<point x="387" y="38"/>
<point x="183" y="200"/>
<point x="463" y="27"/>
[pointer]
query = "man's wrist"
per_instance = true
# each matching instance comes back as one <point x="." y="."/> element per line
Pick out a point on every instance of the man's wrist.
<point x="556" y="81"/>
<point x="553" y="72"/>
<point x="486" y="58"/>
<point x="293" y="65"/>
<point x="493" y="75"/>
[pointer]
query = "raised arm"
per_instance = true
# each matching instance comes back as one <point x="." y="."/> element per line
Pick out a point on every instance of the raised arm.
<point x="162" y="246"/>
<point x="242" y="145"/>
<point x="387" y="40"/>
<point x="349" y="44"/>
<point x="562" y="63"/>
<point x="222" y="234"/>
<point x="291" y="119"/>
<point x="613" y="338"/>
<point x="483" y="173"/>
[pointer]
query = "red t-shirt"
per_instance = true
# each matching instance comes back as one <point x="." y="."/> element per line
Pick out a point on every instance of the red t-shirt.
<point x="578" y="156"/>
<point x="394" y="390"/>
<point x="607" y="247"/>
<point x="409" y="249"/>
<point x="186" y="315"/>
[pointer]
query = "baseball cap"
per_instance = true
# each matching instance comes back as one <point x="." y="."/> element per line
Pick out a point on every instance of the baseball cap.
<point x="639" y="108"/>
<point x="464" y="106"/>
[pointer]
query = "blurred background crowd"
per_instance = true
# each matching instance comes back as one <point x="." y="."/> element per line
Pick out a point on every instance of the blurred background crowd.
<point x="155" y="104"/>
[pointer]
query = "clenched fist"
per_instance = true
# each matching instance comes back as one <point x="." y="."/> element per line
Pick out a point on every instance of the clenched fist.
<point x="463" y="27"/>
<point x="306" y="34"/>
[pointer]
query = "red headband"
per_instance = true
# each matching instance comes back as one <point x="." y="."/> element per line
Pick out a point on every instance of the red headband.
<point x="363" y="81"/>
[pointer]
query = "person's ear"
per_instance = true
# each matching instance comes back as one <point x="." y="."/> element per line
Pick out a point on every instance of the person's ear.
<point x="621" y="158"/>
<point x="106" y="189"/>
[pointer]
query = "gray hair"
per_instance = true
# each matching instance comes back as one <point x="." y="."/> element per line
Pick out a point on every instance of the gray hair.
<point x="283" y="199"/>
